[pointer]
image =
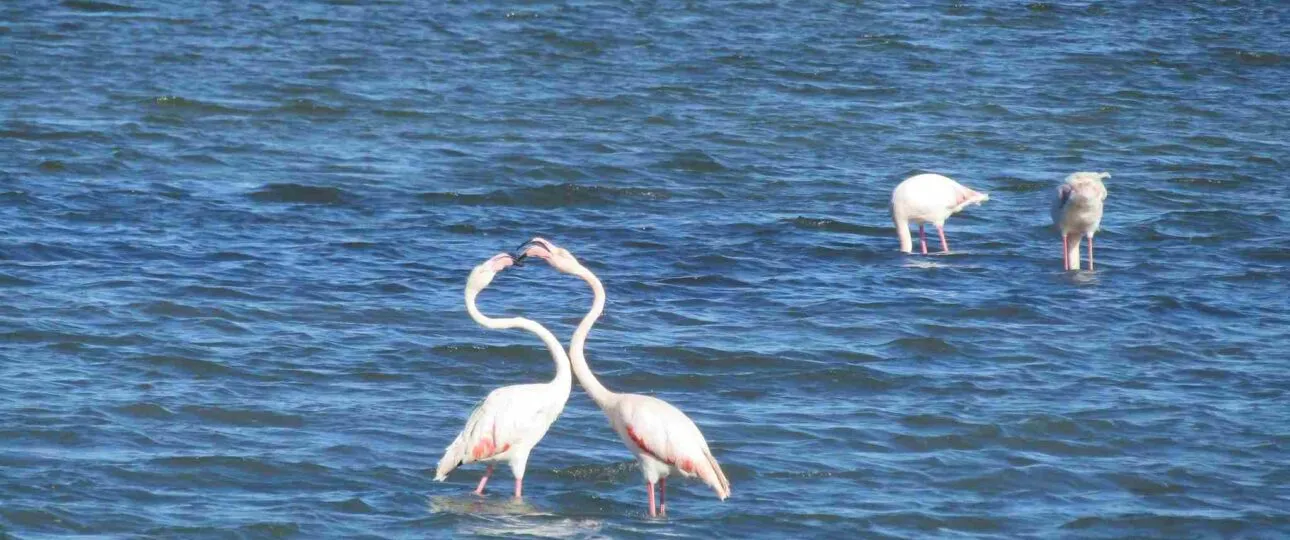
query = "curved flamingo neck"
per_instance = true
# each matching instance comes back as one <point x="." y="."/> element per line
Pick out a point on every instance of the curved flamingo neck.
<point x="586" y="378"/>
<point x="902" y="232"/>
<point x="561" y="359"/>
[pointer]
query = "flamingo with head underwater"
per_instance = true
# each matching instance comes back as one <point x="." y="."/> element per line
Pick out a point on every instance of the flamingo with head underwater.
<point x="1077" y="211"/>
<point x="507" y="424"/>
<point x="928" y="198"/>
<point x="664" y="439"/>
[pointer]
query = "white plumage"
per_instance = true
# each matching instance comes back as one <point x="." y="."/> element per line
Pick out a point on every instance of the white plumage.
<point x="1077" y="212"/>
<point x="507" y="424"/>
<point x="928" y="198"/>
<point x="664" y="440"/>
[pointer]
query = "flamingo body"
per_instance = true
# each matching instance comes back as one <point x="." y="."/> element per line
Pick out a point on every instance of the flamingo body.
<point x="928" y="198"/>
<point x="665" y="441"/>
<point x="1077" y="213"/>
<point x="510" y="421"/>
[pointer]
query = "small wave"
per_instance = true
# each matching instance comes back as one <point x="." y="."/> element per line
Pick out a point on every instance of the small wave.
<point x="692" y="161"/>
<point x="1251" y="58"/>
<point x="310" y="108"/>
<point x="245" y="417"/>
<point x="830" y="225"/>
<point x="193" y="366"/>
<point x="548" y="196"/>
<point x="145" y="410"/>
<point x="300" y="194"/>
<point x="180" y="103"/>
<point x="99" y="7"/>
<point x="708" y="280"/>
<point x="927" y="345"/>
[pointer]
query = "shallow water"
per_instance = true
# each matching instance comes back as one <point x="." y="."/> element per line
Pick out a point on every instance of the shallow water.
<point x="235" y="238"/>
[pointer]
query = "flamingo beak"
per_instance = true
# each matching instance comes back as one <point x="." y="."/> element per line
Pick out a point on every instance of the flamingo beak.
<point x="521" y="252"/>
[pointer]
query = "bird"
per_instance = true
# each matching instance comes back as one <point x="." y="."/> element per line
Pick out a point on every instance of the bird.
<point x="507" y="424"/>
<point x="928" y="198"/>
<point x="1077" y="211"/>
<point x="664" y="440"/>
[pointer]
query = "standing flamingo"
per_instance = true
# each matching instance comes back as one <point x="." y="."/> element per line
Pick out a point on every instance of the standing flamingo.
<point x="512" y="419"/>
<point x="1077" y="211"/>
<point x="928" y="198"/>
<point x="663" y="438"/>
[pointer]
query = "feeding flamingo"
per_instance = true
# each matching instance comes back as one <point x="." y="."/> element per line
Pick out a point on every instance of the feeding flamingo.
<point x="928" y="198"/>
<point x="1077" y="211"/>
<point x="663" y="438"/>
<point x="512" y="419"/>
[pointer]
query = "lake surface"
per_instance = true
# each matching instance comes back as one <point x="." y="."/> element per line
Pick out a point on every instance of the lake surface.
<point x="234" y="238"/>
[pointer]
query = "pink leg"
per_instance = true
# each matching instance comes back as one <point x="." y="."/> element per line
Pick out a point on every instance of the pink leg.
<point x="519" y="487"/>
<point x="1090" y="253"/>
<point x="1066" y="254"/>
<point x="480" y="490"/>
<point x="652" y="511"/>
<point x="922" y="238"/>
<point x="945" y="246"/>
<point x="662" y="496"/>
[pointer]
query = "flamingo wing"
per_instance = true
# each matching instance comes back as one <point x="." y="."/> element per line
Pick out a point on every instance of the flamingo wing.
<point x="663" y="432"/>
<point x="511" y="416"/>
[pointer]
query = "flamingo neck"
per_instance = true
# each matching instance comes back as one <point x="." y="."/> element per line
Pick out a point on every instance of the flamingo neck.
<point x="561" y="359"/>
<point x="586" y="378"/>
<point x="902" y="232"/>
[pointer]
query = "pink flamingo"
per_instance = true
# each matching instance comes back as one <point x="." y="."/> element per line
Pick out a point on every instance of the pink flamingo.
<point x="928" y="198"/>
<point x="1077" y="211"/>
<point x="663" y="438"/>
<point x="512" y="419"/>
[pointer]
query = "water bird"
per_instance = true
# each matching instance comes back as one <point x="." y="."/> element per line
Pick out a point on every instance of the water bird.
<point x="664" y="439"/>
<point x="507" y="424"/>
<point x="928" y="198"/>
<point x="1077" y="212"/>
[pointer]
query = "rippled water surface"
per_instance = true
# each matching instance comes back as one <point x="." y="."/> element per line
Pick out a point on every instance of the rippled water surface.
<point x="234" y="238"/>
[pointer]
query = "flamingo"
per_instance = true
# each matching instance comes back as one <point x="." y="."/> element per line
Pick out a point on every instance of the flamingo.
<point x="663" y="438"/>
<point x="928" y="198"/>
<point x="1077" y="211"/>
<point x="512" y="419"/>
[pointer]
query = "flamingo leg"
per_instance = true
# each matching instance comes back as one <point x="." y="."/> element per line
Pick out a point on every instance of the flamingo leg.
<point x="1090" y="253"/>
<point x="945" y="246"/>
<point x="662" y="496"/>
<point x="1066" y="254"/>
<point x="922" y="238"/>
<point x="652" y="511"/>
<point x="480" y="490"/>
<point x="519" y="486"/>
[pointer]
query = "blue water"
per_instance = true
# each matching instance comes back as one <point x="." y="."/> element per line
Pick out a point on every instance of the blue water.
<point x="234" y="239"/>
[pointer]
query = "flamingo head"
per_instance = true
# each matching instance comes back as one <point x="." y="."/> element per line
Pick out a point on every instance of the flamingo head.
<point x="483" y="274"/>
<point x="556" y="256"/>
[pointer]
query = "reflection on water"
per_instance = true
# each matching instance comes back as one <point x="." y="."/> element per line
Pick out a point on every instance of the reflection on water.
<point x="508" y="517"/>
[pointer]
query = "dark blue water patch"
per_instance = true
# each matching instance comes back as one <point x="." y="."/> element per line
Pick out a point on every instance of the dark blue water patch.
<point x="300" y="194"/>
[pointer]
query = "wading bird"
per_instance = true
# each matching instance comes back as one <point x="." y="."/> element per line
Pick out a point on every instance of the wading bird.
<point x="1077" y="212"/>
<point x="928" y="198"/>
<point x="663" y="438"/>
<point x="511" y="420"/>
